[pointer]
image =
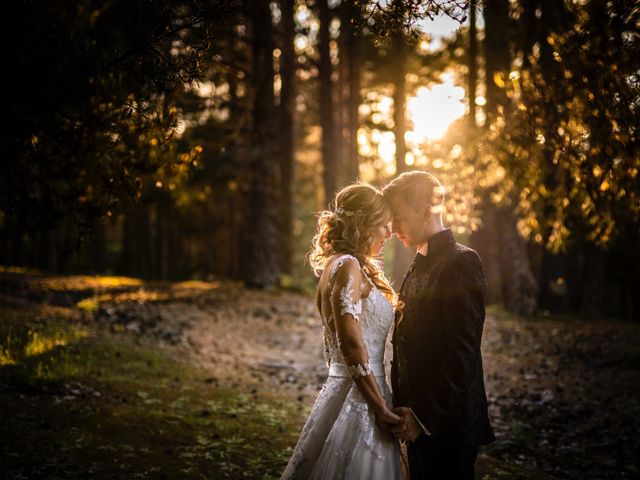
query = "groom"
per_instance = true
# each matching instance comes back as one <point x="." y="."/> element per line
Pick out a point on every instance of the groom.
<point x="437" y="375"/>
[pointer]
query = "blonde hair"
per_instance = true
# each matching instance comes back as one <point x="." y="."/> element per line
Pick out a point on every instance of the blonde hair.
<point x="348" y="228"/>
<point x="416" y="188"/>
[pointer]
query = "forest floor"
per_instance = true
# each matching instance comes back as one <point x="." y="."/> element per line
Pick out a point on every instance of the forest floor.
<point x="108" y="377"/>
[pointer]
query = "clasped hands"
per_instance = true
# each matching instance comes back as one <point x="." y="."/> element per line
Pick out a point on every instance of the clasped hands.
<point x="401" y="423"/>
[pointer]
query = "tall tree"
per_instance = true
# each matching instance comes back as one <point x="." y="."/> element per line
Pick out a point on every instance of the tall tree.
<point x="552" y="19"/>
<point x="473" y="63"/>
<point x="570" y="147"/>
<point x="287" y="129"/>
<point x="518" y="285"/>
<point x="483" y="239"/>
<point x="261" y="267"/>
<point x="351" y="67"/>
<point x="330" y="153"/>
<point x="401" y="254"/>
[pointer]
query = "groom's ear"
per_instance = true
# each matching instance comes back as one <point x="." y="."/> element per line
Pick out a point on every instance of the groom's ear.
<point x="426" y="211"/>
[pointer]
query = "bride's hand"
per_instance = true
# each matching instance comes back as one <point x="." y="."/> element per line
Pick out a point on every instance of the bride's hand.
<point x="387" y="416"/>
<point x="386" y="419"/>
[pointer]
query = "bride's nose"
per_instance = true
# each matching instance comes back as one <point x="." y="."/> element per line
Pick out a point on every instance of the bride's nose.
<point x="387" y="231"/>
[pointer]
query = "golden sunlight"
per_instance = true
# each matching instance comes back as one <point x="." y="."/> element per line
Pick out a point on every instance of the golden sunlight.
<point x="433" y="109"/>
<point x="429" y="113"/>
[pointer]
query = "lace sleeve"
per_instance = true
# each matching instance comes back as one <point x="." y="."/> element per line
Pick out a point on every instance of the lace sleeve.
<point x="348" y="298"/>
<point x="347" y="307"/>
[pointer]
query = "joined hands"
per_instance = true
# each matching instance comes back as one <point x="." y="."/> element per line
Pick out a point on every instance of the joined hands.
<point x="408" y="428"/>
<point x="386" y="419"/>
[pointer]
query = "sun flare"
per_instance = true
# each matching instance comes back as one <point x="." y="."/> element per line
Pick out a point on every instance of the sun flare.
<point x="430" y="113"/>
<point x="433" y="109"/>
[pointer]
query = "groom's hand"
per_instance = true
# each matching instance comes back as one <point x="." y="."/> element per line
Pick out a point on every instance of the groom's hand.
<point x="408" y="429"/>
<point x="385" y="419"/>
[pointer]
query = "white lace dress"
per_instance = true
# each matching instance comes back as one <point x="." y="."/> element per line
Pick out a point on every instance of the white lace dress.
<point x="340" y="439"/>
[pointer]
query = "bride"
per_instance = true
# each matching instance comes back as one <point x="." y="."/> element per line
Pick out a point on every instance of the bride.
<point x="347" y="433"/>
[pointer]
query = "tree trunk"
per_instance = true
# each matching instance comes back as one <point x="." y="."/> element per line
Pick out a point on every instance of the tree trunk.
<point x="287" y="131"/>
<point x="99" y="248"/>
<point x="401" y="255"/>
<point x="593" y="285"/>
<point x="350" y="61"/>
<point x="518" y="287"/>
<point x="174" y="250"/>
<point x="485" y="241"/>
<point x="629" y="278"/>
<point x="551" y="21"/>
<point x="473" y="63"/>
<point x="53" y="261"/>
<point x="497" y="57"/>
<point x="236" y="198"/>
<point x="128" y="249"/>
<point x="330" y="155"/>
<point x="235" y="216"/>
<point x="262" y="268"/>
<point x="137" y="245"/>
<point x="162" y="220"/>
<point x="16" y="240"/>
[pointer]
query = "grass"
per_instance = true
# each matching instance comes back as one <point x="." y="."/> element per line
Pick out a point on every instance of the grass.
<point x="78" y="402"/>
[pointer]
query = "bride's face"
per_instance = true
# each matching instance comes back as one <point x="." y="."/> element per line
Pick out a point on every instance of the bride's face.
<point x="381" y="233"/>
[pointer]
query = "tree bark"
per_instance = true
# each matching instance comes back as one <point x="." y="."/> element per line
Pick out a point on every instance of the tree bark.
<point x="497" y="57"/>
<point x="262" y="268"/>
<point x="629" y="277"/>
<point x="99" y="248"/>
<point x="330" y="154"/>
<point x="551" y="21"/>
<point x="287" y="131"/>
<point x="350" y="61"/>
<point x="161" y="230"/>
<point x="518" y="286"/>
<point x="473" y="63"/>
<point x="137" y="245"/>
<point x="401" y="255"/>
<point x="593" y="285"/>
<point x="485" y="242"/>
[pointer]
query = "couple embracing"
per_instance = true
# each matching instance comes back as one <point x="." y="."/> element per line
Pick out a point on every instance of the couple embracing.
<point x="438" y="407"/>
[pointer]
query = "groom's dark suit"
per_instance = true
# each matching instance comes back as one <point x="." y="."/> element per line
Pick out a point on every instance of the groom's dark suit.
<point x="437" y="367"/>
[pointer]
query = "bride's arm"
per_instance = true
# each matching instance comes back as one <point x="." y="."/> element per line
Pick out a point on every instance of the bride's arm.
<point x="347" y="306"/>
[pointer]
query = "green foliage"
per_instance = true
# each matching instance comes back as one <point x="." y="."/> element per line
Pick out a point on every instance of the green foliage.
<point x="569" y="144"/>
<point x="388" y="18"/>
<point x="89" y="100"/>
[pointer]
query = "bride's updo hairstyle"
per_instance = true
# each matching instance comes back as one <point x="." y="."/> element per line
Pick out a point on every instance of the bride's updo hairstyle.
<point x="348" y="228"/>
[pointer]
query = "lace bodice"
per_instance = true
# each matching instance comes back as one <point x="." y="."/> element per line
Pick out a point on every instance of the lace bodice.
<point x="374" y="313"/>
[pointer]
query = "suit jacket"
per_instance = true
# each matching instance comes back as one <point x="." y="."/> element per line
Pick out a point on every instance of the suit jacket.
<point x="437" y="367"/>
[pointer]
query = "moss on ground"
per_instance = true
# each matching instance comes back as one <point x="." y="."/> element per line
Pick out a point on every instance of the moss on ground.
<point x="78" y="402"/>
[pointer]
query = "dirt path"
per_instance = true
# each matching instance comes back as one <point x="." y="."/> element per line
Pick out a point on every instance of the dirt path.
<point x="250" y="340"/>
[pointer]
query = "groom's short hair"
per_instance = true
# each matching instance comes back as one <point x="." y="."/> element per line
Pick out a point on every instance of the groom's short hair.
<point x="416" y="188"/>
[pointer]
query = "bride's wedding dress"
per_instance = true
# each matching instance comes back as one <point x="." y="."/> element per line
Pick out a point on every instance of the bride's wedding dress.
<point x="341" y="439"/>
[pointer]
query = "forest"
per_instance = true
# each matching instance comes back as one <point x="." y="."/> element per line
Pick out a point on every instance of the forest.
<point x="163" y="167"/>
<point x="163" y="130"/>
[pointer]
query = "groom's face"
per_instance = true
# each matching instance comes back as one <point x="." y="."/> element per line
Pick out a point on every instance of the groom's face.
<point x="408" y="224"/>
